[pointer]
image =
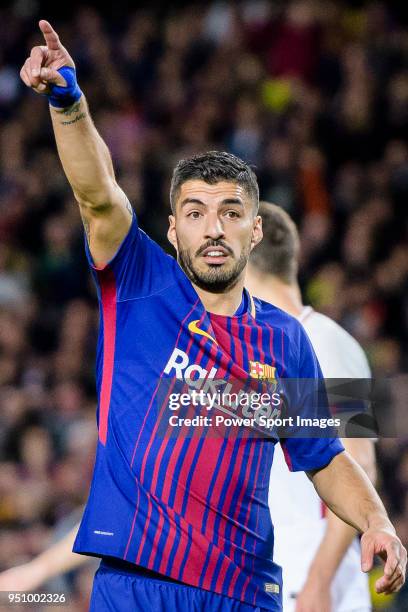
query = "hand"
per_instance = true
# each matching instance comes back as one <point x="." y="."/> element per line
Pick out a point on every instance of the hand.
<point x="314" y="597"/>
<point x="40" y="69"/>
<point x="27" y="577"/>
<point x="389" y="547"/>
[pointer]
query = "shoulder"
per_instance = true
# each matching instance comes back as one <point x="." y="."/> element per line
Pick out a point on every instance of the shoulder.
<point x="139" y="268"/>
<point x="288" y="326"/>
<point x="275" y="317"/>
<point x="336" y="349"/>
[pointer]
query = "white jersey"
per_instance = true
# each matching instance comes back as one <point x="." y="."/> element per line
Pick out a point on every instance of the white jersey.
<point x="297" y="512"/>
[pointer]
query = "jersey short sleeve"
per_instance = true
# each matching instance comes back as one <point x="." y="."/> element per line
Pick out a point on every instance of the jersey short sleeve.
<point x="308" y="453"/>
<point x="140" y="267"/>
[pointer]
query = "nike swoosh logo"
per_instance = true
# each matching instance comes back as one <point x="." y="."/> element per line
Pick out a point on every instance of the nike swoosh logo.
<point x="193" y="327"/>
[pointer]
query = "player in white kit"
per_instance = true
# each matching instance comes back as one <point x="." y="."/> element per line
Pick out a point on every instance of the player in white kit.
<point x="319" y="553"/>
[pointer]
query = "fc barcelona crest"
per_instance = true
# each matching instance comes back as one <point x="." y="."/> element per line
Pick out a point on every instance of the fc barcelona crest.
<point x="262" y="371"/>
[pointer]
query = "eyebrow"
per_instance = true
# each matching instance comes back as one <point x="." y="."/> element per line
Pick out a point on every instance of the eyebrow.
<point x="197" y="201"/>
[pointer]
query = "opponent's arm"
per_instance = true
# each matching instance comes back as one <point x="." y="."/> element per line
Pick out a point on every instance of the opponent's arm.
<point x="86" y="160"/>
<point x="55" y="560"/>
<point x="315" y="594"/>
<point x="347" y="491"/>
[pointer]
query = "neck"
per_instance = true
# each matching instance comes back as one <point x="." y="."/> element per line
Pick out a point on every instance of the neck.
<point x="225" y="304"/>
<point x="273" y="290"/>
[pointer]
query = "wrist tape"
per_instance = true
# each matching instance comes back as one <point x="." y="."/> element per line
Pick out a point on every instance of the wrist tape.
<point x="62" y="97"/>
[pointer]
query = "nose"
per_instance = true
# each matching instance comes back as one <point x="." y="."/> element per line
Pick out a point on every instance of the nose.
<point x="214" y="229"/>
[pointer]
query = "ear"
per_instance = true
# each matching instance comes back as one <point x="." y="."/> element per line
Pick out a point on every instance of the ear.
<point x="257" y="233"/>
<point x="171" y="233"/>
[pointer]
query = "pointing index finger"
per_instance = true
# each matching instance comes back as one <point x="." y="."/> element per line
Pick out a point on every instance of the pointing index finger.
<point x="50" y="35"/>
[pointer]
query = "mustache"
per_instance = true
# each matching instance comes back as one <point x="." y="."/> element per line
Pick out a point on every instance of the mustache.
<point x="214" y="244"/>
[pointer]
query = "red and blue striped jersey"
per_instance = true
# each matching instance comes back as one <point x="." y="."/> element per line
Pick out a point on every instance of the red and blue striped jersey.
<point x="194" y="508"/>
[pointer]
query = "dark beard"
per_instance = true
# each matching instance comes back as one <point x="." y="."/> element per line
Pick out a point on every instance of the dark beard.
<point x="215" y="280"/>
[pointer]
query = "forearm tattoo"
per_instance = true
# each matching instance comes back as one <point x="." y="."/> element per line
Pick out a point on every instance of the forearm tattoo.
<point x="67" y="112"/>
<point x="70" y="110"/>
<point x="78" y="118"/>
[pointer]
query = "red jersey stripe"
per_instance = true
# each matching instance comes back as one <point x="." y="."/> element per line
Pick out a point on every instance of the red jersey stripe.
<point x="108" y="299"/>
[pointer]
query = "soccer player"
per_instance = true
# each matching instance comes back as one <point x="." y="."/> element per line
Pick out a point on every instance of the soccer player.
<point x="319" y="553"/>
<point x="182" y="522"/>
<point x="330" y="547"/>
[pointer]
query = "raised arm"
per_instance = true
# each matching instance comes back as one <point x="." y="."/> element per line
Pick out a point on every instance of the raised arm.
<point x="346" y="489"/>
<point x="105" y="210"/>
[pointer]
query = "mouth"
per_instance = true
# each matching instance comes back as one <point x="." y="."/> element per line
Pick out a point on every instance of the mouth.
<point x="215" y="255"/>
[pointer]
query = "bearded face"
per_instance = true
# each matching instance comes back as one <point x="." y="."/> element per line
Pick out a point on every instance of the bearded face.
<point x="214" y="230"/>
<point x="213" y="267"/>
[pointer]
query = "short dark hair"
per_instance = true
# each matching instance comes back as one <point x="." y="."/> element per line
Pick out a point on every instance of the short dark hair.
<point x="212" y="167"/>
<point x="278" y="252"/>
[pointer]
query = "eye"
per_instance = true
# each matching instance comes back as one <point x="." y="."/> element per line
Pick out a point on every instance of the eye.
<point x="232" y="214"/>
<point x="194" y="214"/>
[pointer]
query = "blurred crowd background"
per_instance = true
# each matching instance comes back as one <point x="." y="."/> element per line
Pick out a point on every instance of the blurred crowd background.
<point x="314" y="94"/>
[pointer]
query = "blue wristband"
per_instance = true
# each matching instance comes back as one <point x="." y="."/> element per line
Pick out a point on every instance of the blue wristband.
<point x="62" y="97"/>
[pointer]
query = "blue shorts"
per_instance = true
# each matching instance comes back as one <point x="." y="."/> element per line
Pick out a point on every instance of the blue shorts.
<point x="120" y="588"/>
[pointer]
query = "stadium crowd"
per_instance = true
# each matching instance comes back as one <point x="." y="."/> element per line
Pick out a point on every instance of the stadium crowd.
<point x="313" y="93"/>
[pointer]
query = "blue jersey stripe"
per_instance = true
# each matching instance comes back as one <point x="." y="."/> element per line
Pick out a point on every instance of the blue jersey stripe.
<point x="186" y="553"/>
